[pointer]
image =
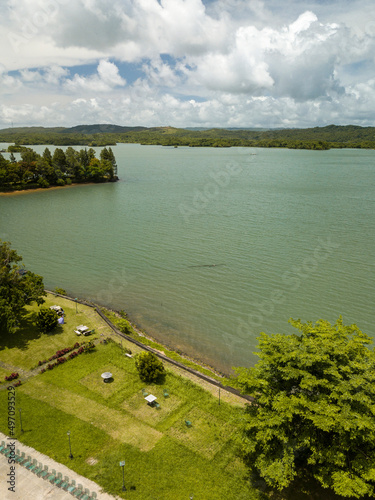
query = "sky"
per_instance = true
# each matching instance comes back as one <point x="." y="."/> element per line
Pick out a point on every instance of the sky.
<point x="187" y="63"/>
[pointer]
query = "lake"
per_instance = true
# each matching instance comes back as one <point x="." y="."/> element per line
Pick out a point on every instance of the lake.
<point x="205" y="247"/>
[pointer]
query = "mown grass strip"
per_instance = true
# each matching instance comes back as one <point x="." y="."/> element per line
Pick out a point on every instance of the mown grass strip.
<point x="118" y="425"/>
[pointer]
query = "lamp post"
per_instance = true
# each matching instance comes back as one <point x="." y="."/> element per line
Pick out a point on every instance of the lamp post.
<point x="122" y="464"/>
<point x="20" y="420"/>
<point x="70" y="448"/>
<point x="75" y="300"/>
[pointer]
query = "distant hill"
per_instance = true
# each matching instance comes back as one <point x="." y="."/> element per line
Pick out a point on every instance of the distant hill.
<point x="317" y="138"/>
<point x="105" y="128"/>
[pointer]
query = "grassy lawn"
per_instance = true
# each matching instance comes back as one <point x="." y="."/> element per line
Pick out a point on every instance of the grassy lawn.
<point x="27" y="346"/>
<point x="110" y="422"/>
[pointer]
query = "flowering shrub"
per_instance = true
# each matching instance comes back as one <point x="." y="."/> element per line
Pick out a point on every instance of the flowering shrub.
<point x="13" y="376"/>
<point x="59" y="354"/>
<point x="17" y="384"/>
<point x="60" y="359"/>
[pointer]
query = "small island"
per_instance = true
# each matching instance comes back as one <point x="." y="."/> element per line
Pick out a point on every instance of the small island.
<point x="61" y="168"/>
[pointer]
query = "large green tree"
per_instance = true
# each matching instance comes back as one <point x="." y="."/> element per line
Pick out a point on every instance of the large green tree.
<point x="313" y="413"/>
<point x="17" y="288"/>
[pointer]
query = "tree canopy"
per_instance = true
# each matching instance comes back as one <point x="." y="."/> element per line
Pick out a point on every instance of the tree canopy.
<point x="18" y="288"/>
<point x="313" y="413"/>
<point x="34" y="170"/>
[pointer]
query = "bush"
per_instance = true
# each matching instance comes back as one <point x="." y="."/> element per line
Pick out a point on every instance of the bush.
<point x="60" y="291"/>
<point x="47" y="319"/>
<point x="149" y="367"/>
<point x="13" y="376"/>
<point x="60" y="182"/>
<point x="124" y="326"/>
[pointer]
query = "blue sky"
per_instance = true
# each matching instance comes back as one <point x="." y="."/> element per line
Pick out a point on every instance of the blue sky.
<point x="187" y="63"/>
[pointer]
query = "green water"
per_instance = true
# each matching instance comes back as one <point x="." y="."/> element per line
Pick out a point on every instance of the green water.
<point x="205" y="248"/>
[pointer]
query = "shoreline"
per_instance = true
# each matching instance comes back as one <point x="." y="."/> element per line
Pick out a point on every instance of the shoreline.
<point x="35" y="190"/>
<point x="143" y="334"/>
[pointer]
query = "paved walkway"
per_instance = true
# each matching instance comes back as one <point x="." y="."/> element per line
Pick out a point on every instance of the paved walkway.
<point x="30" y="487"/>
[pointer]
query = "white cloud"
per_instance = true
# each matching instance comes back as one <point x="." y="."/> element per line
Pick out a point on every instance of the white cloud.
<point x="238" y="62"/>
<point x="106" y="79"/>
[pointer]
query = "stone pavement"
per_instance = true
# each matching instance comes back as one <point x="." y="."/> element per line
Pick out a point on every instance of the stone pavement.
<point x="31" y="487"/>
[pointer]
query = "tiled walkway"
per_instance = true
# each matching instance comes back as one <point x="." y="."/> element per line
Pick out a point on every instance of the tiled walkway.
<point x="31" y="487"/>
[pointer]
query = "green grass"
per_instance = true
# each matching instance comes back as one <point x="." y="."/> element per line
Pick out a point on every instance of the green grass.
<point x="27" y="345"/>
<point x="4" y="373"/>
<point x="110" y="422"/>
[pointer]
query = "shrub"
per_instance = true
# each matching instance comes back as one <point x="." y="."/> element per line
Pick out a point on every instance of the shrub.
<point x="149" y="367"/>
<point x="89" y="346"/>
<point x="124" y="326"/>
<point x="47" y="319"/>
<point x="13" y="376"/>
<point x="17" y="384"/>
<point x="60" y="182"/>
<point x="60" y="291"/>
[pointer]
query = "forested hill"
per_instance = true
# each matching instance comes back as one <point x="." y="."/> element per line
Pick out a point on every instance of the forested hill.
<point x="318" y="138"/>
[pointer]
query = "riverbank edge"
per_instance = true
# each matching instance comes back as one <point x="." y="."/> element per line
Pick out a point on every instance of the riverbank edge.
<point x="159" y="354"/>
<point x="52" y="188"/>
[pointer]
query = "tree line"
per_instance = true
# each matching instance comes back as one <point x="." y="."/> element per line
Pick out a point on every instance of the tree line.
<point x="58" y="169"/>
<point x="317" y="138"/>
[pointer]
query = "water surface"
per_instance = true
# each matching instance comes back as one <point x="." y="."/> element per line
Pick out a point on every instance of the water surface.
<point x="205" y="248"/>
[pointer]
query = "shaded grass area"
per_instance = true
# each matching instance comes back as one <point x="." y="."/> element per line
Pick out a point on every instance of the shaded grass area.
<point x="27" y="346"/>
<point x="112" y="422"/>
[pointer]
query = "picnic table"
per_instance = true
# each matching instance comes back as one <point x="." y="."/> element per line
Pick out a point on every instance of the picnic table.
<point x="150" y="399"/>
<point x="82" y="330"/>
<point x="57" y="309"/>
